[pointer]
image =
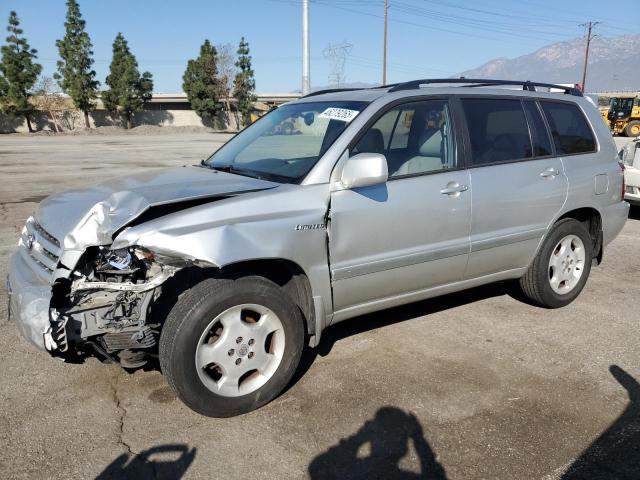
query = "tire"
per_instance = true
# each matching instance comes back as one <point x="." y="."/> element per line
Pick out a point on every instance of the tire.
<point x="541" y="285"/>
<point x="189" y="331"/>
<point x="632" y="129"/>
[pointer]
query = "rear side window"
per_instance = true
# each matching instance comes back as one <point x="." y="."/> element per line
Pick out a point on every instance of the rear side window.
<point x="539" y="135"/>
<point x="570" y="130"/>
<point x="498" y="130"/>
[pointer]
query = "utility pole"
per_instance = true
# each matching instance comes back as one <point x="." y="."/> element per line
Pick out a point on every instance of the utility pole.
<point x="590" y="26"/>
<point x="306" y="77"/>
<point x="384" y="50"/>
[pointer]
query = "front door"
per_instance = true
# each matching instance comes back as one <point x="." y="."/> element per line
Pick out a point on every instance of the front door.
<point x="390" y="242"/>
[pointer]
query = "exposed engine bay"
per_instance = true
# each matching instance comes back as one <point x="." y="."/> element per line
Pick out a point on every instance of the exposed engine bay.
<point x="104" y="307"/>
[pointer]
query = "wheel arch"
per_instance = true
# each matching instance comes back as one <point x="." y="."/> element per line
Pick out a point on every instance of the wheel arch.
<point x="592" y="220"/>
<point x="287" y="274"/>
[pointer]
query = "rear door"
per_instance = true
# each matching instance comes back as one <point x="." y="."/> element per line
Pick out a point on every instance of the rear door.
<point x="519" y="185"/>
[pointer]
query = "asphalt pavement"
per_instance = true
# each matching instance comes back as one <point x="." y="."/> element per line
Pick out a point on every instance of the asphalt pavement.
<point x="470" y="385"/>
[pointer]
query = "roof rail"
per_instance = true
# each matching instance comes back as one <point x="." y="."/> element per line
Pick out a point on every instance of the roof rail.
<point x="334" y="90"/>
<point x="330" y="90"/>
<point x="526" y="85"/>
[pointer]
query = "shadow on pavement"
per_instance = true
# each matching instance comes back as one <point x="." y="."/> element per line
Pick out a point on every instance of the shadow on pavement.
<point x="165" y="461"/>
<point x="375" y="451"/>
<point x="634" y="212"/>
<point x="355" y="326"/>
<point x="615" y="453"/>
<point x="364" y="323"/>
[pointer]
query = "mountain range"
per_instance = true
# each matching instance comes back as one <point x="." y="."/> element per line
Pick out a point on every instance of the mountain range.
<point x="614" y="64"/>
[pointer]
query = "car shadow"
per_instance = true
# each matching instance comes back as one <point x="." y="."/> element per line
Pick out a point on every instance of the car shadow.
<point x="151" y="463"/>
<point x="376" y="449"/>
<point x="616" y="452"/>
<point x="634" y="212"/>
<point x="383" y="318"/>
<point x="372" y="321"/>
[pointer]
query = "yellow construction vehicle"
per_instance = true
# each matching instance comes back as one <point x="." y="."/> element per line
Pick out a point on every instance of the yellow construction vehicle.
<point x="623" y="115"/>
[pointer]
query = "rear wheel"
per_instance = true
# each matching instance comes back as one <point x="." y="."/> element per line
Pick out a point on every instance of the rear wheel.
<point x="561" y="267"/>
<point x="632" y="129"/>
<point x="230" y="346"/>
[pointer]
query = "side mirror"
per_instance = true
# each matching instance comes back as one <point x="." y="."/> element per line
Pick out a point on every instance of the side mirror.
<point x="364" y="170"/>
<point x="308" y="118"/>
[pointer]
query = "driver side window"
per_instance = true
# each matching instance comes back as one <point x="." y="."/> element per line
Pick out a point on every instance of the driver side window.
<point x="416" y="138"/>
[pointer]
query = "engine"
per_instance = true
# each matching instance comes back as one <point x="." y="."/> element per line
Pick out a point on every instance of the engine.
<point x="105" y="306"/>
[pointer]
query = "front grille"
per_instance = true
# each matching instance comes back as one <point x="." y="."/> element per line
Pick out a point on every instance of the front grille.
<point x="42" y="249"/>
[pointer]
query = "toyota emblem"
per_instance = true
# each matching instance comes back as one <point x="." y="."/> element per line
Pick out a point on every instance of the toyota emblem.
<point x="31" y="239"/>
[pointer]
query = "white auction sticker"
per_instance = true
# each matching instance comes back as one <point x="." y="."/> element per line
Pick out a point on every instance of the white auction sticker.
<point x="342" y="114"/>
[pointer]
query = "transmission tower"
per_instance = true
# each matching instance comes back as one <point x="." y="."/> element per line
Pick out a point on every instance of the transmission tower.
<point x="337" y="55"/>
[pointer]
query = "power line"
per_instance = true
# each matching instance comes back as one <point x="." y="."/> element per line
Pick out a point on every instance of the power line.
<point x="422" y="25"/>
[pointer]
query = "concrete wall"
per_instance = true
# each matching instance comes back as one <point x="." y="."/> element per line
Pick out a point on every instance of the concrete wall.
<point x="74" y="120"/>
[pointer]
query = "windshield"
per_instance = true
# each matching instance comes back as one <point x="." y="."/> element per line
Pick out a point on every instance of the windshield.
<point x="287" y="142"/>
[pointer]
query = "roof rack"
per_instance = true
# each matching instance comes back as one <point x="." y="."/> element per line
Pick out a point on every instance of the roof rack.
<point x="329" y="90"/>
<point x="334" y="90"/>
<point x="526" y="85"/>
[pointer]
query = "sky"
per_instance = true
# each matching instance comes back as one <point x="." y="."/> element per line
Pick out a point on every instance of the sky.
<point x="426" y="38"/>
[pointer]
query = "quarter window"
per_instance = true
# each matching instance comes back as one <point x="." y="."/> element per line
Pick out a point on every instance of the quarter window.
<point x="498" y="130"/>
<point x="414" y="137"/>
<point x="570" y="131"/>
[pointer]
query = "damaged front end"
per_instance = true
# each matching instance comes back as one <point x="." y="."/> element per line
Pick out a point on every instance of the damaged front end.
<point x="100" y="306"/>
<point x="105" y="305"/>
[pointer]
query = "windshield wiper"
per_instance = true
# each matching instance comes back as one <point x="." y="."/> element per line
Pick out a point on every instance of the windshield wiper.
<point x="251" y="173"/>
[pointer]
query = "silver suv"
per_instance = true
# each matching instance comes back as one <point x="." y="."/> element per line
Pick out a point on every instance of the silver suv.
<point x="339" y="204"/>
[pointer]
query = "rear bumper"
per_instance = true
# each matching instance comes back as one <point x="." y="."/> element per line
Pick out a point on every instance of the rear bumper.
<point x="613" y="219"/>
<point x="29" y="299"/>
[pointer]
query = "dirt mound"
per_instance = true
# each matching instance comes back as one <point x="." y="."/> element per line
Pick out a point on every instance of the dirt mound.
<point x="140" y="130"/>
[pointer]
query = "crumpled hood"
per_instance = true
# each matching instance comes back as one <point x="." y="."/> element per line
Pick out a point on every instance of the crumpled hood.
<point x="90" y="216"/>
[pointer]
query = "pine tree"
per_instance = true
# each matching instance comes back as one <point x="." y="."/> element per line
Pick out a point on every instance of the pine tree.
<point x="75" y="76"/>
<point x="128" y="90"/>
<point x="201" y="83"/>
<point x="19" y="70"/>
<point x="245" y="84"/>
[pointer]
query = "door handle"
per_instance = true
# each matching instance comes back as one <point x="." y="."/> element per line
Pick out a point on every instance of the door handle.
<point x="550" y="173"/>
<point x="454" y="188"/>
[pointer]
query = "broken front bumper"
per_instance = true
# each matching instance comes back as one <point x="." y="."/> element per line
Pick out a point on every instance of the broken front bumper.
<point x="29" y="299"/>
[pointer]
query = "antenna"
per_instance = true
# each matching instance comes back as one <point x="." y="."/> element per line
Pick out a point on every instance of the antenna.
<point x="337" y="55"/>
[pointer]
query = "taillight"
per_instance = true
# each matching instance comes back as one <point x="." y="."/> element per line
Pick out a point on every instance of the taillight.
<point x="624" y="186"/>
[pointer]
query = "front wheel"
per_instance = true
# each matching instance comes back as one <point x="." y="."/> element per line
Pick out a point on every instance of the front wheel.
<point x="231" y="345"/>
<point x="632" y="129"/>
<point x="561" y="267"/>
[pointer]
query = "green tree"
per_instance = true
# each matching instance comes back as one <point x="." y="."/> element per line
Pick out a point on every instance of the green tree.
<point x="201" y="83"/>
<point x="245" y="84"/>
<point x="20" y="72"/>
<point x="75" y="75"/>
<point x="128" y="90"/>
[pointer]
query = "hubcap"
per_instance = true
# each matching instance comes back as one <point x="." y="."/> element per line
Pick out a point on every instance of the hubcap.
<point x="566" y="264"/>
<point x="240" y="350"/>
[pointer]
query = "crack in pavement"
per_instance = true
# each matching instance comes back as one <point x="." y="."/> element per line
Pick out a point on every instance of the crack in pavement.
<point x="122" y="413"/>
